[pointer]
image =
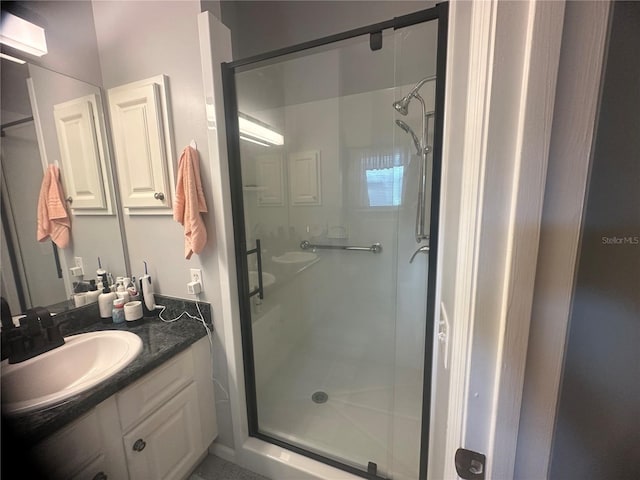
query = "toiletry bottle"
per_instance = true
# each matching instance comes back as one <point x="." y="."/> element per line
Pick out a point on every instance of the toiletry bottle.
<point x="133" y="290"/>
<point x="105" y="304"/>
<point x="93" y="293"/>
<point x="117" y="312"/>
<point x="123" y="293"/>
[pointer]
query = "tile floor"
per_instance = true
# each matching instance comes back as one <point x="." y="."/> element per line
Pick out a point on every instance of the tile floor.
<point x="215" y="468"/>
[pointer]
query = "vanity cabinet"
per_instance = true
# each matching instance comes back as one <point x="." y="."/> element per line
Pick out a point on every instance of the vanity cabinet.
<point x="168" y="443"/>
<point x="89" y="448"/>
<point x="158" y="427"/>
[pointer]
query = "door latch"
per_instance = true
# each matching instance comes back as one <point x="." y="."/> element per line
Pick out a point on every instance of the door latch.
<point x="470" y="464"/>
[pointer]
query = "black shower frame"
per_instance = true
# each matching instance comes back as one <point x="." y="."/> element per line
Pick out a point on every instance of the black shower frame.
<point x="439" y="12"/>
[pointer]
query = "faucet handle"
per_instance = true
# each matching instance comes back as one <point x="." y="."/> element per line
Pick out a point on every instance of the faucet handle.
<point x="421" y="249"/>
<point x="44" y="316"/>
<point x="30" y="324"/>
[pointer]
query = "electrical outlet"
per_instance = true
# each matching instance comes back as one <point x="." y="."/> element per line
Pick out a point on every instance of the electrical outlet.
<point x="196" y="275"/>
<point x="79" y="268"/>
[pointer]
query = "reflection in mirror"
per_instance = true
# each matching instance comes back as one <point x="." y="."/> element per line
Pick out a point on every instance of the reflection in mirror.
<point x="49" y="118"/>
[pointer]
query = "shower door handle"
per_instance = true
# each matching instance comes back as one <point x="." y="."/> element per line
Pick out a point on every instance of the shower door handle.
<point x="423" y="249"/>
<point x="260" y="290"/>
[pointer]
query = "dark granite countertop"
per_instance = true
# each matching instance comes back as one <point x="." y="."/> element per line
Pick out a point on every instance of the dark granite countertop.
<point x="161" y="341"/>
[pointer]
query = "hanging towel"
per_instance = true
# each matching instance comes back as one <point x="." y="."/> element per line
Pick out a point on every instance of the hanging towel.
<point x="53" y="219"/>
<point x="190" y="202"/>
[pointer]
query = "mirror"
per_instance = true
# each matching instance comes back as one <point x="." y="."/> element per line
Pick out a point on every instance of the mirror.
<point x="35" y="103"/>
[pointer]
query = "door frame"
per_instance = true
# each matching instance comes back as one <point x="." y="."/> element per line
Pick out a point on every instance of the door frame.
<point x="495" y="45"/>
<point x="229" y="69"/>
<point x="492" y="216"/>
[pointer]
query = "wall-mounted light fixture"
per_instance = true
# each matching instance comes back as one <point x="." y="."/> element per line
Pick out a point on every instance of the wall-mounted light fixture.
<point x="13" y="59"/>
<point x="22" y="35"/>
<point x="255" y="131"/>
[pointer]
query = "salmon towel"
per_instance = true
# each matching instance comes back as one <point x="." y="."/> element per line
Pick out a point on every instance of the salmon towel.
<point x="190" y="202"/>
<point x="53" y="219"/>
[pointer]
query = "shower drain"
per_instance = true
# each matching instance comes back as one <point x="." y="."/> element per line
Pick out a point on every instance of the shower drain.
<point x="320" y="397"/>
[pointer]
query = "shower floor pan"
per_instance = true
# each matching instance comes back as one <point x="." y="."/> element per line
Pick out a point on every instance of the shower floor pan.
<point x="371" y="413"/>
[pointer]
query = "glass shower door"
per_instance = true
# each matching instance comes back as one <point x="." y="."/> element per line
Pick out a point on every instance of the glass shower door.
<point x="334" y="159"/>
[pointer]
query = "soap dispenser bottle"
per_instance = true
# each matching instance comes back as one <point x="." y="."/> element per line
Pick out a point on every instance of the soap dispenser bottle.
<point x="105" y="304"/>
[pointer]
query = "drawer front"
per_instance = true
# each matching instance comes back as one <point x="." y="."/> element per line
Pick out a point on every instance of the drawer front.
<point x="68" y="451"/>
<point x="153" y="390"/>
<point x="166" y="445"/>
<point x="96" y="470"/>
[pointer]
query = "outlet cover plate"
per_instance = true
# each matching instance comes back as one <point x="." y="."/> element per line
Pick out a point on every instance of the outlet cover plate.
<point x="196" y="275"/>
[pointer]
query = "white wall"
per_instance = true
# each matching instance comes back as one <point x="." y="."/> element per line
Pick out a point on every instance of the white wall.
<point x="138" y="40"/>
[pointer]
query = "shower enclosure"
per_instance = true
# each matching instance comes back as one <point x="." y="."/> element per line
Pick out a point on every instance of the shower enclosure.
<point x="334" y="158"/>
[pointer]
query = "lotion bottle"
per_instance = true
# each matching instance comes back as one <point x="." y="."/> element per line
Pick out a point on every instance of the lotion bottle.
<point x="105" y="304"/>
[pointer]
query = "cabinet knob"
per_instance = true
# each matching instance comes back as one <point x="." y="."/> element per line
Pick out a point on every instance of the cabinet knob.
<point x="69" y="199"/>
<point x="139" y="445"/>
<point x="158" y="196"/>
<point x="100" y="476"/>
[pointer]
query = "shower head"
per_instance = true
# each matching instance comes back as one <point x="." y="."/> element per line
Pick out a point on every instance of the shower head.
<point x="408" y="130"/>
<point x="402" y="105"/>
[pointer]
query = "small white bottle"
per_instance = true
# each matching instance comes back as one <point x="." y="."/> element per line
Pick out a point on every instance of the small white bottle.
<point x="123" y="293"/>
<point x="105" y="304"/>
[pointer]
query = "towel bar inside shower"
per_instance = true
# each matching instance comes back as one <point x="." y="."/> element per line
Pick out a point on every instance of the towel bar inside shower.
<point x="375" y="248"/>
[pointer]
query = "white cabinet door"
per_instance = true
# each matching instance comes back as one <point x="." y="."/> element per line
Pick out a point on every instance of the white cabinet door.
<point x="269" y="178"/>
<point x="304" y="178"/>
<point x="80" y="156"/>
<point x="168" y="443"/>
<point x="142" y="144"/>
<point x="88" y="446"/>
<point x="96" y="470"/>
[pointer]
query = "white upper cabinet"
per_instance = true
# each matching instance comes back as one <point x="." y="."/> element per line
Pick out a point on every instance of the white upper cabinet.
<point x="83" y="157"/>
<point x="142" y="143"/>
<point x="270" y="182"/>
<point x="304" y="178"/>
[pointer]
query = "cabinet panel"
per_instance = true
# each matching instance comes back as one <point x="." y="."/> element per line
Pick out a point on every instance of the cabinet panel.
<point x="83" y="167"/>
<point x="168" y="443"/>
<point x="269" y="178"/>
<point x="304" y="178"/>
<point x="90" y="445"/>
<point x="143" y="152"/>
<point x="96" y="470"/>
<point x="154" y="389"/>
<point x="78" y="444"/>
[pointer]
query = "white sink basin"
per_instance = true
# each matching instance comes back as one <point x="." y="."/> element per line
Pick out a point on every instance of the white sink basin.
<point x="267" y="279"/>
<point x="81" y="363"/>
<point x="295" y="257"/>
